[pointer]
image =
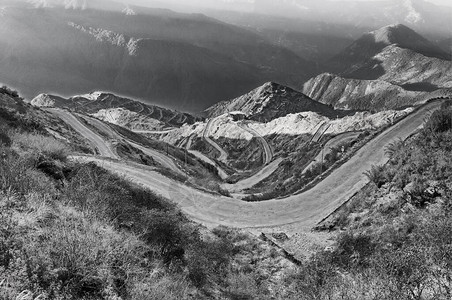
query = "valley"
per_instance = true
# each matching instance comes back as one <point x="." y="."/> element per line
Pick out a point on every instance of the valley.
<point x="292" y="214"/>
<point x="225" y="150"/>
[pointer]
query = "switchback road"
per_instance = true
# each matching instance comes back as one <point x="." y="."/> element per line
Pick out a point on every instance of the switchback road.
<point x="303" y="210"/>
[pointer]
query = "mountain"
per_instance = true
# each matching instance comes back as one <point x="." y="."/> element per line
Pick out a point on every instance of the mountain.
<point x="183" y="61"/>
<point x="419" y="14"/>
<point x="271" y="101"/>
<point x="446" y="45"/>
<point x="343" y="93"/>
<point x="364" y="49"/>
<point x="407" y="68"/>
<point x="384" y="69"/>
<point x="119" y="110"/>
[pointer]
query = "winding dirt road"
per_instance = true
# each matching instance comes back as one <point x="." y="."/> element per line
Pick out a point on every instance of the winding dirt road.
<point x="223" y="175"/>
<point x="223" y="155"/>
<point x="334" y="142"/>
<point x="99" y="143"/>
<point x="249" y="182"/>
<point x="95" y="140"/>
<point x="265" y="146"/>
<point x="302" y="211"/>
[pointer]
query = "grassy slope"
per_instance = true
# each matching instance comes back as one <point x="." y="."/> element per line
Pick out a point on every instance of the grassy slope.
<point x="396" y="237"/>
<point x="75" y="231"/>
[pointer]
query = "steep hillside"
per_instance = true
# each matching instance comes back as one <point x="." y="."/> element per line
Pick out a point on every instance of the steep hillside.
<point x="408" y="68"/>
<point x="344" y="93"/>
<point x="388" y="68"/>
<point x="118" y="110"/>
<point x="182" y="61"/>
<point x="271" y="101"/>
<point x="72" y="230"/>
<point x="446" y="45"/>
<point x="396" y="233"/>
<point x="370" y="44"/>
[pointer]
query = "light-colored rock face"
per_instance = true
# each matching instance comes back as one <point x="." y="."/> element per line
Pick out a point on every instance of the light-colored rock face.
<point x="126" y="112"/>
<point x="43" y="100"/>
<point x="391" y="67"/>
<point x="129" y="119"/>
<point x="108" y="36"/>
<point x="268" y="102"/>
<point x="345" y="93"/>
<point x="46" y="100"/>
<point x="360" y="59"/>
<point x="403" y="66"/>
<point x="293" y="124"/>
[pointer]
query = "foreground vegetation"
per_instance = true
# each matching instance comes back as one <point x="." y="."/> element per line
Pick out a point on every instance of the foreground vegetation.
<point x="75" y="231"/>
<point x="397" y="233"/>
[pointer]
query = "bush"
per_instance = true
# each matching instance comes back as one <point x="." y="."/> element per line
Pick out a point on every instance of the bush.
<point x="8" y="91"/>
<point x="5" y="140"/>
<point x="40" y="145"/>
<point x="440" y="120"/>
<point x="353" y="250"/>
<point x="378" y="175"/>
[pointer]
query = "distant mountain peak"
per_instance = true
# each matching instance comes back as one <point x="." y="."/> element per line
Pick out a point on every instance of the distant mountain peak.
<point x="269" y="101"/>
<point x="94" y="96"/>
<point x="129" y="11"/>
<point x="395" y="34"/>
<point x="68" y="4"/>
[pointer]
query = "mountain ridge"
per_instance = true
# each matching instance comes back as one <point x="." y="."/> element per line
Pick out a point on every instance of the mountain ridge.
<point x="374" y="42"/>
<point x="119" y="110"/>
<point x="270" y="101"/>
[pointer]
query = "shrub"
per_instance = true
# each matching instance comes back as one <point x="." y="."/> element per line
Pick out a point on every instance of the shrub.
<point x="378" y="175"/>
<point x="353" y="250"/>
<point x="8" y="91"/>
<point x="5" y="140"/>
<point x="393" y="148"/>
<point x="40" y="145"/>
<point x="440" y="120"/>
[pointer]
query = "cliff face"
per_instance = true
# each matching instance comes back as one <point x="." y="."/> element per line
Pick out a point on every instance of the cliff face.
<point x="344" y="93"/>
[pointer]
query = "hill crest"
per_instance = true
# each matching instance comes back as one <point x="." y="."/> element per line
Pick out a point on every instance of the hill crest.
<point x="271" y="101"/>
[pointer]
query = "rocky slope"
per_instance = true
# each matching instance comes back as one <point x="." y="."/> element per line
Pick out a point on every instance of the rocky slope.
<point x="118" y="110"/>
<point x="351" y="60"/>
<point x="343" y="93"/>
<point x="291" y="125"/>
<point x="271" y="101"/>
<point x="407" y="67"/>
<point x="388" y="68"/>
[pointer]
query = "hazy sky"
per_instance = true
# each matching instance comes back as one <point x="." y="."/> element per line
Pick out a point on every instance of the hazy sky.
<point x="143" y="2"/>
<point x="442" y="2"/>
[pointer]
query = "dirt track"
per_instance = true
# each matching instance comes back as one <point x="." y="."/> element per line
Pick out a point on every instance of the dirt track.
<point x="223" y="155"/>
<point x="303" y="210"/>
<point x="255" y="179"/>
<point x="101" y="145"/>
<point x="84" y="131"/>
<point x="265" y="146"/>
<point x="334" y="142"/>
